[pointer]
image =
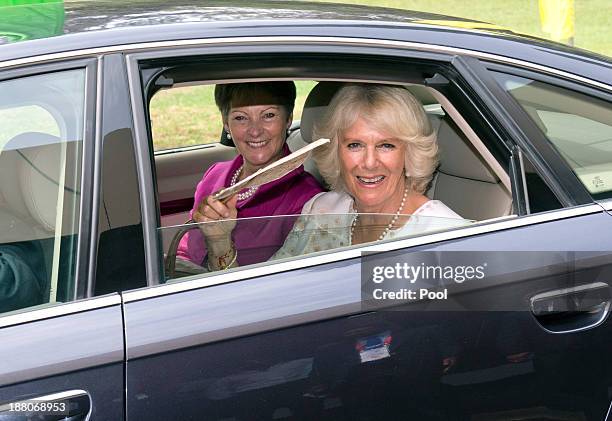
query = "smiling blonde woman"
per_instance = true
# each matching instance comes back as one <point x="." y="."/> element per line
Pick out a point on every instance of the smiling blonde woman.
<point x="381" y="159"/>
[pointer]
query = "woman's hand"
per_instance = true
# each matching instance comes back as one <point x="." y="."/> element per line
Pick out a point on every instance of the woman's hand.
<point x="217" y="221"/>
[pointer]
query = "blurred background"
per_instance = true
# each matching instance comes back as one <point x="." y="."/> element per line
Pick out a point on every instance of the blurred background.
<point x="582" y="23"/>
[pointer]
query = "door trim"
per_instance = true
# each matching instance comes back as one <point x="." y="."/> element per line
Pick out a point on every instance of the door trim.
<point x="30" y="315"/>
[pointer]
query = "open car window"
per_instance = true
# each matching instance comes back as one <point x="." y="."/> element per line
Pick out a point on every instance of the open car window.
<point x="471" y="179"/>
<point x="265" y="240"/>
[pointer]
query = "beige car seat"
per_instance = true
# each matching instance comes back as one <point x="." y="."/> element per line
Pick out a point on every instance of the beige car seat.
<point x="464" y="181"/>
<point x="29" y="174"/>
<point x="29" y="180"/>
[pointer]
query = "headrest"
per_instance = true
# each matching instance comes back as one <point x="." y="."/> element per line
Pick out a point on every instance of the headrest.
<point x="315" y="106"/>
<point x="458" y="157"/>
<point x="39" y="158"/>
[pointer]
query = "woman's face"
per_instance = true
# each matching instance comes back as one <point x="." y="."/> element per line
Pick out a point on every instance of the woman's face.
<point x="258" y="132"/>
<point x="372" y="167"/>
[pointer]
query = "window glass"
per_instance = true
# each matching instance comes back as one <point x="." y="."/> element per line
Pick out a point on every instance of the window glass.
<point x="273" y="238"/>
<point x="41" y="134"/>
<point x="35" y="117"/>
<point x="187" y="115"/>
<point x="578" y="125"/>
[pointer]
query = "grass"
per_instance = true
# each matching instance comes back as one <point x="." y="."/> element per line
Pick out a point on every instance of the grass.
<point x="593" y="18"/>
<point x="188" y="116"/>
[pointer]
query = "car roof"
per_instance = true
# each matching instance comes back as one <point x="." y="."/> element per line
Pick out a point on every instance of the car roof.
<point x="101" y="23"/>
<point x="90" y="15"/>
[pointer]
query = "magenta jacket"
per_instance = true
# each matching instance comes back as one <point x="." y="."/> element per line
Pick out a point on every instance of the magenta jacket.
<point x="256" y="240"/>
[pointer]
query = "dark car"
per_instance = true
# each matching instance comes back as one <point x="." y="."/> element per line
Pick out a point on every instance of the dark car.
<point x="100" y="322"/>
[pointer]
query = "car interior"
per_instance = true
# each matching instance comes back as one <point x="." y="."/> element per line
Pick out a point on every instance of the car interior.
<point x="468" y="176"/>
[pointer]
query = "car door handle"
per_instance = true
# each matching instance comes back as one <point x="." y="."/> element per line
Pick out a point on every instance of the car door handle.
<point x="572" y="309"/>
<point x="71" y="405"/>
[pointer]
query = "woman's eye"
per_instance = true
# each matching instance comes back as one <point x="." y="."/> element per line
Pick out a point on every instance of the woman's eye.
<point x="269" y="116"/>
<point x="353" y="145"/>
<point x="239" y="118"/>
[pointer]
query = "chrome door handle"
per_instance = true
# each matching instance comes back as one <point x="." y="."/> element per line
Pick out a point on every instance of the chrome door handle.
<point x="572" y="309"/>
<point x="71" y="405"/>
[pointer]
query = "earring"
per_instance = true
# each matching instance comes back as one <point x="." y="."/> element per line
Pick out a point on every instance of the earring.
<point x="228" y="136"/>
<point x="407" y="173"/>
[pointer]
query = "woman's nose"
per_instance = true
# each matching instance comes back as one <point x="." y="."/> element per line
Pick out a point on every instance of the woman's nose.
<point x="255" y="127"/>
<point x="370" y="158"/>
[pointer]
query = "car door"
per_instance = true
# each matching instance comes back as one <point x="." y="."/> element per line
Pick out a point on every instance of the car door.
<point x="297" y="342"/>
<point x="62" y="350"/>
<point x="296" y="339"/>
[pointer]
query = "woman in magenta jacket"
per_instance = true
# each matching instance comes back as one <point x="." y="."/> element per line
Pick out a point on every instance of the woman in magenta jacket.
<point x="256" y="116"/>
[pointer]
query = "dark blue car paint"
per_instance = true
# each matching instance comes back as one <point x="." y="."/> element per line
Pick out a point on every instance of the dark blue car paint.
<point x="283" y="344"/>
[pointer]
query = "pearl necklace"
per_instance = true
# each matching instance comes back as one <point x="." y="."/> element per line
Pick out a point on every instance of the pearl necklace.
<point x="391" y="224"/>
<point x="250" y="192"/>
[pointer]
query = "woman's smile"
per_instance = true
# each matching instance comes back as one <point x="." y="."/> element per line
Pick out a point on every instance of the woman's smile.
<point x="258" y="144"/>
<point x="371" y="181"/>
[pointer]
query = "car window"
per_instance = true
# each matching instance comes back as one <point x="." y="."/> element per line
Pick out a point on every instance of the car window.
<point x="464" y="181"/>
<point x="579" y="126"/>
<point x="186" y="116"/>
<point x="41" y="134"/>
<point x="263" y="240"/>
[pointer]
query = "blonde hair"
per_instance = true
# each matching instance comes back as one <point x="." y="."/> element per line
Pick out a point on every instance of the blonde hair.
<point x="391" y="109"/>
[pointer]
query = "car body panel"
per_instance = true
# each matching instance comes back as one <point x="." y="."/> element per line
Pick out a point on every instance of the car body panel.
<point x="67" y="352"/>
<point x="285" y="343"/>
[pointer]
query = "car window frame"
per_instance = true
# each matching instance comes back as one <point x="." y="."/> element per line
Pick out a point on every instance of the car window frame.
<point x="148" y="191"/>
<point x="91" y="68"/>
